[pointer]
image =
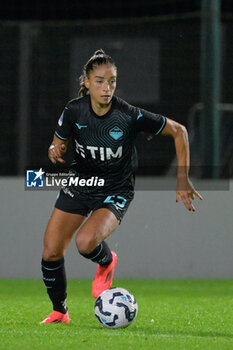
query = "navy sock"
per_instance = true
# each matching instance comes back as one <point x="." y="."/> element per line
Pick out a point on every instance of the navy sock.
<point x="54" y="277"/>
<point x="101" y="254"/>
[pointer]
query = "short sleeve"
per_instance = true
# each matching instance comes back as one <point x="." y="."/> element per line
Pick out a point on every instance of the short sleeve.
<point x="149" y="122"/>
<point x="63" y="129"/>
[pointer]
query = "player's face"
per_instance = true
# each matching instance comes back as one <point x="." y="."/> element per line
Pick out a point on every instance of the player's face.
<point x="102" y="84"/>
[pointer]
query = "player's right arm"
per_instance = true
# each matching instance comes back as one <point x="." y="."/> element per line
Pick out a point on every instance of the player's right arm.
<point x="61" y="137"/>
<point x="57" y="149"/>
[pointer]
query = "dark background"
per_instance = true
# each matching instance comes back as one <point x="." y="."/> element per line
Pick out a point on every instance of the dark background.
<point x="92" y="9"/>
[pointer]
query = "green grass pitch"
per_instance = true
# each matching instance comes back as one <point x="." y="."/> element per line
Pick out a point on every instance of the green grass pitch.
<point x="173" y="314"/>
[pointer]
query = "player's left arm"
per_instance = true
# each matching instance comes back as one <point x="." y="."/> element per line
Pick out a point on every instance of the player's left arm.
<point x="184" y="189"/>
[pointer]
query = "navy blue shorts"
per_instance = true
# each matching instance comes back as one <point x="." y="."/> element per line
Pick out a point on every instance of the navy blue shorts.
<point x="117" y="203"/>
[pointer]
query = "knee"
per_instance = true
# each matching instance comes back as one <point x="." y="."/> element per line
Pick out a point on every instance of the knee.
<point x="85" y="245"/>
<point x="51" y="255"/>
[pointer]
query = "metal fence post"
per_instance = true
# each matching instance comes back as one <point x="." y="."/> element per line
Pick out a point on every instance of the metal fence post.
<point x="210" y="86"/>
<point x="24" y="97"/>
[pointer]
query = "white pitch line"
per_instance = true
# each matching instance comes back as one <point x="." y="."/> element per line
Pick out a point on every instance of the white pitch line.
<point x="112" y="333"/>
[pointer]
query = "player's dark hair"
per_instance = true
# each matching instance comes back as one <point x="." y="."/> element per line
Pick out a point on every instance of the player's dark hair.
<point x="99" y="58"/>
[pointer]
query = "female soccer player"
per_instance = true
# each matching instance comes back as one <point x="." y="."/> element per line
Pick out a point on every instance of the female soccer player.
<point x="103" y="128"/>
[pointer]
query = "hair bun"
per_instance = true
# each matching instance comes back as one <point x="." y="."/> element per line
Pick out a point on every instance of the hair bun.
<point x="99" y="52"/>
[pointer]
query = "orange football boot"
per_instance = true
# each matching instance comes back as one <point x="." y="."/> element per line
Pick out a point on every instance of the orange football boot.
<point x="104" y="277"/>
<point x="56" y="317"/>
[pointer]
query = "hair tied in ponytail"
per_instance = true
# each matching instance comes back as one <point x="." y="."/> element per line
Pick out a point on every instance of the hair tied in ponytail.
<point x="99" y="52"/>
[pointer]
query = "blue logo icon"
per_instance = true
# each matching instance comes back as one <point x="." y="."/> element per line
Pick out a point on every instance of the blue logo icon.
<point x="139" y="115"/>
<point x="81" y="126"/>
<point x="35" y="178"/>
<point x="116" y="133"/>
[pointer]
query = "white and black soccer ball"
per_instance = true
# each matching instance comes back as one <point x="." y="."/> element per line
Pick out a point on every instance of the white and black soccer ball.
<point x="116" y="308"/>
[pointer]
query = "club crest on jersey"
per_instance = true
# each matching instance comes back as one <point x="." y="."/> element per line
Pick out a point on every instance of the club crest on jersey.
<point x="116" y="133"/>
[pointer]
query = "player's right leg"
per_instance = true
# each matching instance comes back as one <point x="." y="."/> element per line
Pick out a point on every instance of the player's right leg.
<point x="59" y="232"/>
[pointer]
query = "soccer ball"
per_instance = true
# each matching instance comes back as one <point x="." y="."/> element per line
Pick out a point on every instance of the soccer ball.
<point x="116" y="308"/>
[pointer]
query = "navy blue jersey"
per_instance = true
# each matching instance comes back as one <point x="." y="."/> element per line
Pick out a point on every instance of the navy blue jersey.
<point x="105" y="145"/>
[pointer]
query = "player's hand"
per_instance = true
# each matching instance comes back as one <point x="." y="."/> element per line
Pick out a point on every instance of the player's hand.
<point x="56" y="151"/>
<point x="186" y="192"/>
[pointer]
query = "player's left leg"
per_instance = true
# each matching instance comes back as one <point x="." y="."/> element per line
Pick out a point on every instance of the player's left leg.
<point x="90" y="243"/>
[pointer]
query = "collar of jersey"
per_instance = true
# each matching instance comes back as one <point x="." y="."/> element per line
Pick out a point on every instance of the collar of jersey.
<point x="104" y="115"/>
